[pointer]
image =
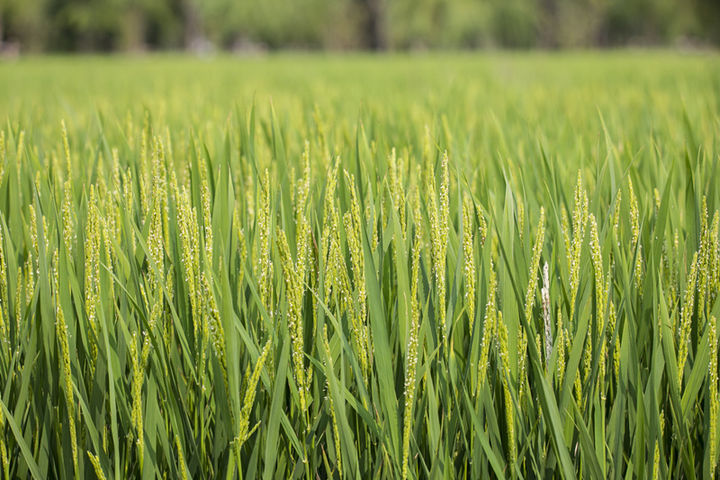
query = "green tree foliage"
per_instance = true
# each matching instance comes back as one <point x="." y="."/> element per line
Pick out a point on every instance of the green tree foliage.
<point x="132" y="25"/>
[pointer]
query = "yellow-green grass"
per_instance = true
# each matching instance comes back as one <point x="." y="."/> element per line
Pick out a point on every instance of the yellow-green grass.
<point x="314" y="266"/>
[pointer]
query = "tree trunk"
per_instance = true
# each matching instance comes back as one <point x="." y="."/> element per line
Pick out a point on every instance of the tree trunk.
<point x="549" y="26"/>
<point x="192" y="27"/>
<point x="133" y="30"/>
<point x="372" y="25"/>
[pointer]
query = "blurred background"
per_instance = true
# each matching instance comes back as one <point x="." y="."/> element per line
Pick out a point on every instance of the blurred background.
<point x="205" y="26"/>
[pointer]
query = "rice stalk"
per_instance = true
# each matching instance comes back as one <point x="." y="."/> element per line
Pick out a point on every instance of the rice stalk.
<point x="411" y="358"/>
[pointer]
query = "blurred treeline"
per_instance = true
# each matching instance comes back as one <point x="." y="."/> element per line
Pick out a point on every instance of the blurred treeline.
<point x="136" y="25"/>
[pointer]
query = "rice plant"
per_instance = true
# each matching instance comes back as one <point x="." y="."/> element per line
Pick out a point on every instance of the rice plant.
<point x="383" y="267"/>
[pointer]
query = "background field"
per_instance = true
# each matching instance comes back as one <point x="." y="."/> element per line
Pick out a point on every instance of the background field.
<point x="319" y="266"/>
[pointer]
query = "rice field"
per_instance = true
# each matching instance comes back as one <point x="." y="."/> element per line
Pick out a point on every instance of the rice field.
<point x="444" y="266"/>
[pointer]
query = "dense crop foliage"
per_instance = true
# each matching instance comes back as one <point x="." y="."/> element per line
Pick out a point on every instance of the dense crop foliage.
<point x="302" y="267"/>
